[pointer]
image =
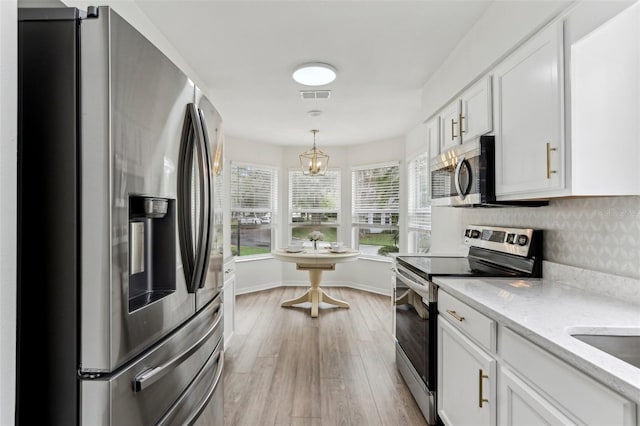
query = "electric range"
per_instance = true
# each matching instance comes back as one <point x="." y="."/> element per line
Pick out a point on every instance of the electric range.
<point x="493" y="252"/>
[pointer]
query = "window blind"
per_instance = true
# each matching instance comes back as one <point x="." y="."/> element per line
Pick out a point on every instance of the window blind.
<point x="419" y="214"/>
<point x="376" y="195"/>
<point x="314" y="194"/>
<point x="253" y="188"/>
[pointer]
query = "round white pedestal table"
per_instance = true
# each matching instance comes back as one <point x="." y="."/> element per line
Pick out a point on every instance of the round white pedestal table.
<point x="315" y="261"/>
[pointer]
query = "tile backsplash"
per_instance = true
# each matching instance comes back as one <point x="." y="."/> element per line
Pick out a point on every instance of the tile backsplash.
<point x="601" y="234"/>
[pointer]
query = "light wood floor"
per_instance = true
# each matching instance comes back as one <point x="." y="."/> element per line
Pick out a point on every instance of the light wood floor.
<point x="285" y="368"/>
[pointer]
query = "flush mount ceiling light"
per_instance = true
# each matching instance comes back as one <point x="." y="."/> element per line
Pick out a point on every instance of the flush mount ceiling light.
<point x="314" y="74"/>
<point x="314" y="162"/>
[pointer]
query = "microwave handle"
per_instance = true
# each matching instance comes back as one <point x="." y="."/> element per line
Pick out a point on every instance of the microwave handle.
<point x="456" y="177"/>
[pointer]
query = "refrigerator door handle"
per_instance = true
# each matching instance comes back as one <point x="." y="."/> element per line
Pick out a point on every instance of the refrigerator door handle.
<point x="146" y="378"/>
<point x="206" y="149"/>
<point x="193" y="256"/>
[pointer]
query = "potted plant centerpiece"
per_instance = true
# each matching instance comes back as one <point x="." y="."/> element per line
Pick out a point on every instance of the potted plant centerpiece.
<point x="314" y="237"/>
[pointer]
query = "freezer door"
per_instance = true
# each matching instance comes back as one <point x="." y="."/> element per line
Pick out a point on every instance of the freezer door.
<point x="186" y="366"/>
<point x="211" y="125"/>
<point x="203" y="402"/>
<point x="133" y="289"/>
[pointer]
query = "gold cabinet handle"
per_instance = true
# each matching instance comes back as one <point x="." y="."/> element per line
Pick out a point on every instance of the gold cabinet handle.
<point x="481" y="398"/>
<point x="455" y="315"/>
<point x="453" y="129"/>
<point x="549" y="171"/>
<point x="460" y="118"/>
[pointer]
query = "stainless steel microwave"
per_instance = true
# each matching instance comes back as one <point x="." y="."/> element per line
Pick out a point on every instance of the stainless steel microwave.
<point x="464" y="175"/>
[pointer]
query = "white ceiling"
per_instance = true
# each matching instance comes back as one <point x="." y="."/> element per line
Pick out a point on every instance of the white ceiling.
<point x="244" y="52"/>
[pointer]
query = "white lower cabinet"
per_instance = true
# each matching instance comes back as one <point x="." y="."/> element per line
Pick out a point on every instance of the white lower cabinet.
<point x="490" y="375"/>
<point x="466" y="379"/>
<point x="229" y="300"/>
<point x="521" y="405"/>
<point x="562" y="391"/>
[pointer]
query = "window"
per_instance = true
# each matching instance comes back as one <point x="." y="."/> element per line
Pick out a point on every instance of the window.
<point x="253" y="208"/>
<point x="314" y="204"/>
<point x="376" y="206"/>
<point x="419" y="220"/>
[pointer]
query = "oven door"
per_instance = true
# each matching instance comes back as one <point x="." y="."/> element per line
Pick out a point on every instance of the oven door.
<point x="415" y="318"/>
<point x="416" y="339"/>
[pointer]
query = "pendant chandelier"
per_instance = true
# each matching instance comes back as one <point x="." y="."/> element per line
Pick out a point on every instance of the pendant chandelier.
<point x="314" y="162"/>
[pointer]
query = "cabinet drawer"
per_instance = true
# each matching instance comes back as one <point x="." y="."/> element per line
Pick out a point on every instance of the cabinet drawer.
<point x="575" y="393"/>
<point x="476" y="325"/>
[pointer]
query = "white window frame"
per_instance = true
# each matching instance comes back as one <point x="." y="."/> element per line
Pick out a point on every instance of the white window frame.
<point x="320" y="226"/>
<point x="273" y="211"/>
<point x="418" y="201"/>
<point x="356" y="225"/>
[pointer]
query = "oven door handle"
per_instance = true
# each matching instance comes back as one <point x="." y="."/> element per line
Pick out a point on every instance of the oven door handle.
<point x="420" y="289"/>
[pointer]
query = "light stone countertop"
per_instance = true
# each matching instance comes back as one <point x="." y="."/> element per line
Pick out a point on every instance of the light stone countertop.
<point x="546" y="312"/>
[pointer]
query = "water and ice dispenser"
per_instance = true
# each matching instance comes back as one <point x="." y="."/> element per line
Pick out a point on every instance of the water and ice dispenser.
<point x="152" y="250"/>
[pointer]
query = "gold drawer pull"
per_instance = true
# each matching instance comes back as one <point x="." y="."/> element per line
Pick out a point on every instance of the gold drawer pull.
<point x="461" y="129"/>
<point x="549" y="171"/>
<point x="455" y="315"/>
<point x="481" y="398"/>
<point x="453" y="129"/>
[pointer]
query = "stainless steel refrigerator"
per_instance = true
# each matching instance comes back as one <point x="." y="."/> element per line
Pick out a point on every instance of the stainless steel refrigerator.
<point x="120" y="316"/>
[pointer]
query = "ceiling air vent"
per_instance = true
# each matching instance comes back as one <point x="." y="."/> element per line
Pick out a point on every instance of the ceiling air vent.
<point x="315" y="94"/>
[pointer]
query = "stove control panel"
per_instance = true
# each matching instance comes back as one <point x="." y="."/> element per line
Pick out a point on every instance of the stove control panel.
<point x="506" y="240"/>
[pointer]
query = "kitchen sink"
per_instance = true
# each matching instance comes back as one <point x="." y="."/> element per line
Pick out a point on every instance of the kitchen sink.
<point x="623" y="347"/>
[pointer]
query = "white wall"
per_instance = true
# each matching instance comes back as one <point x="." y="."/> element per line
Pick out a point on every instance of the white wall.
<point x="504" y="25"/>
<point x="130" y="11"/>
<point x="258" y="274"/>
<point x="8" y="181"/>
<point x="376" y="152"/>
<point x="499" y="31"/>
<point x="372" y="275"/>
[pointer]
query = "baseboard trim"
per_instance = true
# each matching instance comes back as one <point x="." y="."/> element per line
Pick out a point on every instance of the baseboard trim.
<point x="327" y="284"/>
<point x="255" y="288"/>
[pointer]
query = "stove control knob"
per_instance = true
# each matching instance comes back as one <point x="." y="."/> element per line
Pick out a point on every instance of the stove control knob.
<point x="511" y="238"/>
<point x="523" y="240"/>
<point x="467" y="233"/>
<point x="475" y="233"/>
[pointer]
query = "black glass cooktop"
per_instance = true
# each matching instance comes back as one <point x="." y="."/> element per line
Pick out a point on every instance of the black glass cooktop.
<point x="428" y="267"/>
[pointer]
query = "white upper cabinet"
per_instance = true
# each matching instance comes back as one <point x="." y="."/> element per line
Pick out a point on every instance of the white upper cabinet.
<point x="449" y="126"/>
<point x="592" y="81"/>
<point x="528" y="112"/>
<point x="605" y="108"/>
<point x="468" y="117"/>
<point x="477" y="116"/>
<point x="564" y="108"/>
